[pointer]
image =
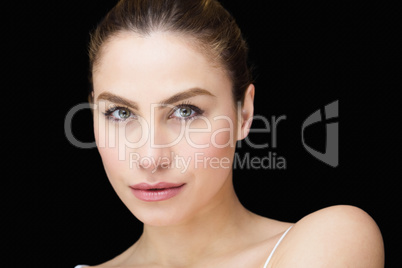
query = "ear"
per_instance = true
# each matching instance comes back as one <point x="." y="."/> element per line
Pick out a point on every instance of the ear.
<point x="246" y="113"/>
<point x="91" y="97"/>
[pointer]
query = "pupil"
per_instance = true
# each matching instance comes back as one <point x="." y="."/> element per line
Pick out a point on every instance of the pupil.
<point x="124" y="113"/>
<point x="185" y="112"/>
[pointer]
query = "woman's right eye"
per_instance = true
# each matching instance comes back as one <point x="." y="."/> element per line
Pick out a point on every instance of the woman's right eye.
<point x="119" y="114"/>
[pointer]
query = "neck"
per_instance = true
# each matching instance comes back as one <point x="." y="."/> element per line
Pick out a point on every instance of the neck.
<point x="214" y="231"/>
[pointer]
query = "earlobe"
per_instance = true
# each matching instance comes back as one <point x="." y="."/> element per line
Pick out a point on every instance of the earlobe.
<point x="247" y="112"/>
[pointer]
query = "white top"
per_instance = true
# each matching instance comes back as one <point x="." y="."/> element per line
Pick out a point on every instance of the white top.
<point x="266" y="263"/>
<point x="277" y="244"/>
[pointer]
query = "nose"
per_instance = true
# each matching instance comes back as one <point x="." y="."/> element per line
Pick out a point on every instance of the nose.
<point x="155" y="154"/>
<point x="154" y="159"/>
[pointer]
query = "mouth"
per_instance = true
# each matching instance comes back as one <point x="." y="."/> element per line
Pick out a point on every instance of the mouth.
<point x="157" y="192"/>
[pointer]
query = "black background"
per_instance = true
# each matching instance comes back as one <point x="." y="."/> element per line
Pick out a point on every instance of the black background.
<point x="65" y="212"/>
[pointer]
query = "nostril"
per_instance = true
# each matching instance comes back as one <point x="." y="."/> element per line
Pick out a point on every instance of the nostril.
<point x="165" y="165"/>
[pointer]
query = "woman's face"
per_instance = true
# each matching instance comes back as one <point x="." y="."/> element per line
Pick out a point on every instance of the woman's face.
<point x="165" y="119"/>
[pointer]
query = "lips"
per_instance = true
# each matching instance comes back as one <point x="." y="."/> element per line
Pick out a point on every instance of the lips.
<point x="157" y="192"/>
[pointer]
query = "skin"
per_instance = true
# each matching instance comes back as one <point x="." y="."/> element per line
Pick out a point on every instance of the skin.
<point x="205" y="225"/>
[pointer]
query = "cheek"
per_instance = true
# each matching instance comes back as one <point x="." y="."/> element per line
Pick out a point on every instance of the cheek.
<point x="219" y="132"/>
<point x="212" y="169"/>
<point x="108" y="147"/>
<point x="212" y="152"/>
<point x="110" y="159"/>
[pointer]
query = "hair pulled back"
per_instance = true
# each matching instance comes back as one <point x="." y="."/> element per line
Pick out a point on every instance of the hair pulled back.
<point x="206" y="22"/>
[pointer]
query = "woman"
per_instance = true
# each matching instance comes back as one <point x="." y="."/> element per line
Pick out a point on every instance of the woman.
<point x="172" y="94"/>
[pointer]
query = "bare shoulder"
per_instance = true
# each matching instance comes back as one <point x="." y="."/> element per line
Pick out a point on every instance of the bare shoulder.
<point x="337" y="236"/>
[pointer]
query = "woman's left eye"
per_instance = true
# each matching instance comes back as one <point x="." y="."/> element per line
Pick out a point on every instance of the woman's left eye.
<point x="185" y="112"/>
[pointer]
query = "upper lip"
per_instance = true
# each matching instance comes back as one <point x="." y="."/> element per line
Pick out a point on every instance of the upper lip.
<point x="160" y="185"/>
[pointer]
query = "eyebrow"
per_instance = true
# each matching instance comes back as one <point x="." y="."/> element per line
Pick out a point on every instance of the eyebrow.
<point x="192" y="92"/>
<point x="117" y="99"/>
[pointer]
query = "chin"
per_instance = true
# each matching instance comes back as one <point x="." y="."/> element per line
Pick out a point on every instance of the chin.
<point x="158" y="214"/>
<point x="158" y="218"/>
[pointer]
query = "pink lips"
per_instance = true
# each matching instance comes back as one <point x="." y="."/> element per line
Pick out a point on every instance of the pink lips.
<point x="157" y="192"/>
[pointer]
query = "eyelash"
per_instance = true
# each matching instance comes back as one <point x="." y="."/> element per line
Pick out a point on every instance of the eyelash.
<point x="109" y="113"/>
<point x="197" y="112"/>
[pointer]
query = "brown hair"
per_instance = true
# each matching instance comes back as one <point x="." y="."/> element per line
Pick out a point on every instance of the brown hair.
<point x="206" y="21"/>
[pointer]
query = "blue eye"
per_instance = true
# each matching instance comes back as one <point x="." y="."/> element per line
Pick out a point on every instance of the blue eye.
<point x="183" y="112"/>
<point x="186" y="112"/>
<point x="118" y="114"/>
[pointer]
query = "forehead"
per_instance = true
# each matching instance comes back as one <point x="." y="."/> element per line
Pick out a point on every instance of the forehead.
<point x="160" y="64"/>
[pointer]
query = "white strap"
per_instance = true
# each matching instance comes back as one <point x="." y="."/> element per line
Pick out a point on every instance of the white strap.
<point x="266" y="263"/>
<point x="277" y="244"/>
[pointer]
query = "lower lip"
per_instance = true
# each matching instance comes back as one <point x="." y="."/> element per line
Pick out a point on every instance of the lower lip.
<point x="156" y="195"/>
